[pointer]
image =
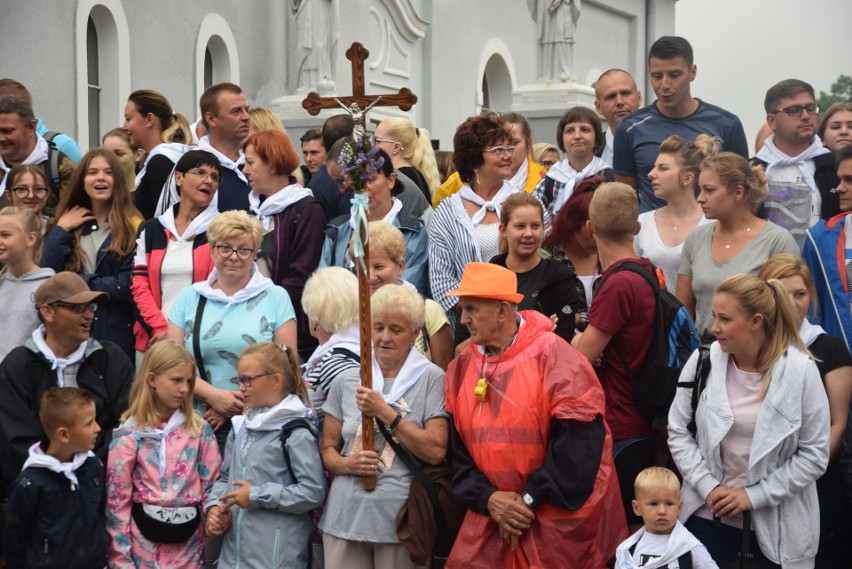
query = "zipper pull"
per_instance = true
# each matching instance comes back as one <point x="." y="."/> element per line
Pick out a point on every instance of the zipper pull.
<point x="45" y="546"/>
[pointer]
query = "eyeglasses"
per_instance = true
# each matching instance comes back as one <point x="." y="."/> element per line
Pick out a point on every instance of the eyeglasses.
<point x="248" y="379"/>
<point x="796" y="110"/>
<point x="242" y="253"/>
<point x="202" y="173"/>
<point x="377" y="140"/>
<point x="23" y="191"/>
<point x="500" y="151"/>
<point x="76" y="308"/>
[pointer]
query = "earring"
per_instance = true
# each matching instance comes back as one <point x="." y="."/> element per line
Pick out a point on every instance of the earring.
<point x="476" y="172"/>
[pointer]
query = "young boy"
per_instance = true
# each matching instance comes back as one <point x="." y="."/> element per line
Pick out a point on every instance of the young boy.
<point x="55" y="515"/>
<point x="663" y="542"/>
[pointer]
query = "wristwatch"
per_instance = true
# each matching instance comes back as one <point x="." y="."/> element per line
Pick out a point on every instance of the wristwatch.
<point x="528" y="500"/>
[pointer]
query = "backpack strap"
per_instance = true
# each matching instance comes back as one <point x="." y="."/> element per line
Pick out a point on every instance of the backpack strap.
<point x="698" y="383"/>
<point x="196" y="337"/>
<point x="300" y="206"/>
<point x="51" y="167"/>
<point x="287" y="430"/>
<point x="548" y="188"/>
<point x="635" y="267"/>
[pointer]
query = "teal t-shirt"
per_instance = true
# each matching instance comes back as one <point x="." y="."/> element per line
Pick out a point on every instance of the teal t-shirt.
<point x="227" y="329"/>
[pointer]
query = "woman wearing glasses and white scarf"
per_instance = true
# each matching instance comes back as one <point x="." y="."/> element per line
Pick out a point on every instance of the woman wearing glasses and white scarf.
<point x="465" y="227"/>
<point x="235" y="307"/>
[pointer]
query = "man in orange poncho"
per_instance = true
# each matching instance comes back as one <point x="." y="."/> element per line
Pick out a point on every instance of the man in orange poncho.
<point x="530" y="451"/>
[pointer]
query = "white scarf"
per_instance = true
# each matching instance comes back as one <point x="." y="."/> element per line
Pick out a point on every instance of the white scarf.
<point x="290" y="408"/>
<point x="467" y="193"/>
<point x="809" y="332"/>
<point x="235" y="166"/>
<point x="197" y="226"/>
<point x="414" y="366"/>
<point x="680" y="541"/>
<point x="193" y="129"/>
<point x="349" y="339"/>
<point x="277" y="202"/>
<point x="39" y="459"/>
<point x="606" y="155"/>
<point x="257" y="284"/>
<point x="519" y="180"/>
<point x="59" y="364"/>
<point x="171" y="150"/>
<point x="37" y="156"/>
<point x="776" y="159"/>
<point x="562" y="172"/>
<point x="396" y="207"/>
<point x="175" y="422"/>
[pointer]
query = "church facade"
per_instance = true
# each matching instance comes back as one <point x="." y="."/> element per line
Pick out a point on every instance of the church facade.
<point x="82" y="58"/>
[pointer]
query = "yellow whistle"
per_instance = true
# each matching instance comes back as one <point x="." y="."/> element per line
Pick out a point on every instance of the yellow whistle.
<point x="481" y="389"/>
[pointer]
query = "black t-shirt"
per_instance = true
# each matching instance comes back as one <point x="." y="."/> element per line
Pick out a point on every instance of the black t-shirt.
<point x="831" y="353"/>
<point x="550" y="289"/>
<point x="147" y="193"/>
<point x="418" y="179"/>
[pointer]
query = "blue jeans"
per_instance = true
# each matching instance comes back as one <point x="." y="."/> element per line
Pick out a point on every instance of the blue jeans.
<point x="725" y="542"/>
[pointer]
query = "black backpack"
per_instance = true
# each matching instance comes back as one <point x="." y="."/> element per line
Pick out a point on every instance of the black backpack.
<point x="673" y="340"/>
<point x="698" y="383"/>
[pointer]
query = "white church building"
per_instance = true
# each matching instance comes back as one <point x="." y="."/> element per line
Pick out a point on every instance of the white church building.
<point x="81" y="58"/>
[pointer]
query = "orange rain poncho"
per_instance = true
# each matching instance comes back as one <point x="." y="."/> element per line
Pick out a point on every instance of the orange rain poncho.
<point x="542" y="378"/>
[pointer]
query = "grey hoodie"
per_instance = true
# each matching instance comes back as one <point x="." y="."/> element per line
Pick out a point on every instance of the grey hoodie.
<point x="16" y="304"/>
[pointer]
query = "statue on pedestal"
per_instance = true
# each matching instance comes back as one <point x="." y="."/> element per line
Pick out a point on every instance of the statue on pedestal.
<point x="557" y="24"/>
<point x="318" y="23"/>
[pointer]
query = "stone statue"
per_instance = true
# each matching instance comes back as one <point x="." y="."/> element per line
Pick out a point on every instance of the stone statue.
<point x="557" y="24"/>
<point x="318" y="23"/>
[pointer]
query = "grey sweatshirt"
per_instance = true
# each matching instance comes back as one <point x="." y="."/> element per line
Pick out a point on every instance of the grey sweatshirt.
<point x="16" y="304"/>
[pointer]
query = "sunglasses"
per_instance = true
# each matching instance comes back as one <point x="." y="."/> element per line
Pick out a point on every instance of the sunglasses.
<point x="76" y="308"/>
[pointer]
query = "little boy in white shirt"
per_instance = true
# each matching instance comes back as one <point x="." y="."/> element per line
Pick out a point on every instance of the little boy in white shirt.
<point x="663" y="543"/>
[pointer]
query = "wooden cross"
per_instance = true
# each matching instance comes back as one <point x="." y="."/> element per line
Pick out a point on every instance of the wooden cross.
<point x="357" y="105"/>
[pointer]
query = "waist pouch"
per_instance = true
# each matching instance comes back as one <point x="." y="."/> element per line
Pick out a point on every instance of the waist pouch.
<point x="166" y="525"/>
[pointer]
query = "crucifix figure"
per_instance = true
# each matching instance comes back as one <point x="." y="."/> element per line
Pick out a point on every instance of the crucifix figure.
<point x="357" y="105"/>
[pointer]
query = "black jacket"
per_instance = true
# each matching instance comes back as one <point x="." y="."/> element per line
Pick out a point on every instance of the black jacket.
<point x="50" y="524"/>
<point x="25" y="376"/>
<point x="826" y="180"/>
<point x="113" y="275"/>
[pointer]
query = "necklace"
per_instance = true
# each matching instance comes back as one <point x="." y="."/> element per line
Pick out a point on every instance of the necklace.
<point x="728" y="245"/>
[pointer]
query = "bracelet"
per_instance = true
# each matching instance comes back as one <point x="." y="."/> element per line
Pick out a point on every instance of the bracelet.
<point x="395" y="422"/>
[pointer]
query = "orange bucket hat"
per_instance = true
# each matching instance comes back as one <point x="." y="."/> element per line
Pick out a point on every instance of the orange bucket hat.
<point x="485" y="280"/>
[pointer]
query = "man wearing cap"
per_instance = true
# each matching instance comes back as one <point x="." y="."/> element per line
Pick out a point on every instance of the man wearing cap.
<point x="530" y="451"/>
<point x="60" y="353"/>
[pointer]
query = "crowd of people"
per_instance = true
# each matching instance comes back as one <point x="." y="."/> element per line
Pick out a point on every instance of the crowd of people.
<point x="181" y="385"/>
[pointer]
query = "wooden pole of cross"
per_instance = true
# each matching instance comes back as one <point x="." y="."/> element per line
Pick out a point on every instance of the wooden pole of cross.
<point x="357" y="105"/>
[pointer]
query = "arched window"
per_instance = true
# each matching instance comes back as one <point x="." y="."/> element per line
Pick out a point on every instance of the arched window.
<point x="216" y="59"/>
<point x="103" y="69"/>
<point x="496" y="85"/>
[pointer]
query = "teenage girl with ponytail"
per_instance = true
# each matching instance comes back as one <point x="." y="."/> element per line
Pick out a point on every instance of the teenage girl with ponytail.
<point x="761" y="431"/>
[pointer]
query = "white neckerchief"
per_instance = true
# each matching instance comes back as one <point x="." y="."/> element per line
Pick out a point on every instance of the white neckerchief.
<point x="291" y="407"/>
<point x="563" y="173"/>
<point x="171" y="150"/>
<point x="396" y="207"/>
<point x="277" y="202"/>
<point x="39" y="459"/>
<point x="775" y="159"/>
<point x="680" y="541"/>
<point x="349" y="339"/>
<point x="174" y="423"/>
<point x="37" y="156"/>
<point x="257" y="284"/>
<point x="809" y="332"/>
<point x="59" y="364"/>
<point x="193" y="130"/>
<point x="197" y="226"/>
<point x="414" y="366"/>
<point x="467" y="193"/>
<point x="519" y="180"/>
<point x="606" y="155"/>
<point x="235" y="166"/>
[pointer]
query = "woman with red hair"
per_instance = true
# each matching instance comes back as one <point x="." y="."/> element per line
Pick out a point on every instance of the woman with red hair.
<point x="293" y="221"/>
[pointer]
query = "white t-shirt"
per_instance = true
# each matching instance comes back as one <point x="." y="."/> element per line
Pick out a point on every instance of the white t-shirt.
<point x="648" y="244"/>
<point x="652" y="546"/>
<point x="175" y="272"/>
